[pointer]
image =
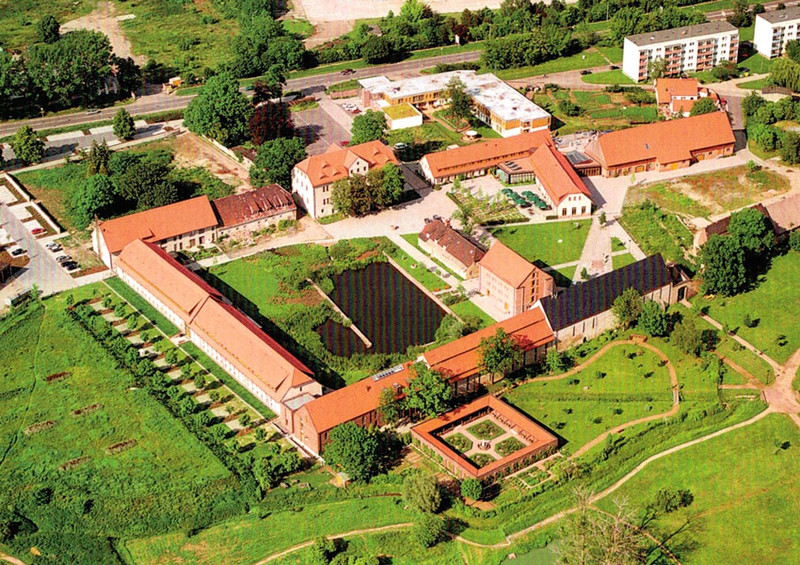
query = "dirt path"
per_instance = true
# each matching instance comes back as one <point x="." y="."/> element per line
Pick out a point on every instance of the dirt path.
<point x="308" y="543"/>
<point x="104" y="19"/>
<point x="10" y="559"/>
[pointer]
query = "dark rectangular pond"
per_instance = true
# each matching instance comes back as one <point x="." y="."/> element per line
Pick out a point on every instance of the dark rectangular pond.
<point x="391" y="311"/>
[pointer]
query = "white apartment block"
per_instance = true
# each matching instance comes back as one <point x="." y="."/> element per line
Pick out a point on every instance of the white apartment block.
<point x="774" y="29"/>
<point x="684" y="49"/>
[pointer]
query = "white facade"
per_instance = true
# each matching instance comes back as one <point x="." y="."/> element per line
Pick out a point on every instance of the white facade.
<point x="774" y="29"/>
<point x="318" y="200"/>
<point x="152" y="300"/>
<point x="685" y="50"/>
<point x="574" y="205"/>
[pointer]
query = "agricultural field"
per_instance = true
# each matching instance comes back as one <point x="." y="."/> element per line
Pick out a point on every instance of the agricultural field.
<point x="161" y="477"/>
<point x="550" y="244"/>
<point x="745" y="495"/>
<point x="772" y="305"/>
<point x="711" y="193"/>
<point x="598" y="110"/>
<point x="626" y="383"/>
<point x="657" y="231"/>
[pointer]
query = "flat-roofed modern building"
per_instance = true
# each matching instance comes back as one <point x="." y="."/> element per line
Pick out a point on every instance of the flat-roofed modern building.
<point x="684" y="49"/>
<point x="774" y="29"/>
<point x="493" y="101"/>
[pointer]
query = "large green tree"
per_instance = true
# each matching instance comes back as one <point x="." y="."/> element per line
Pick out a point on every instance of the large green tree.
<point x="144" y="180"/>
<point x="753" y="230"/>
<point x="275" y="160"/>
<point x="687" y="337"/>
<point x="723" y="266"/>
<point x="421" y="492"/>
<point x="428" y="391"/>
<point x="92" y="197"/>
<point x="124" y="127"/>
<point x="369" y="126"/>
<point x="354" y="449"/>
<point x="500" y="353"/>
<point x="627" y="307"/>
<point x="271" y="120"/>
<point x="98" y="159"/>
<point x="703" y="106"/>
<point x="27" y="146"/>
<point x="460" y="102"/>
<point x="653" y="319"/>
<point x="220" y="111"/>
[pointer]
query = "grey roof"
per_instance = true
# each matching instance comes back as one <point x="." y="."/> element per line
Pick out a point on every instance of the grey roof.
<point x="298" y="401"/>
<point x="780" y="16"/>
<point x="681" y="33"/>
<point x="587" y="299"/>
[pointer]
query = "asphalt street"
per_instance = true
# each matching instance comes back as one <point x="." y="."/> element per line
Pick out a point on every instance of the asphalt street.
<point x="160" y="102"/>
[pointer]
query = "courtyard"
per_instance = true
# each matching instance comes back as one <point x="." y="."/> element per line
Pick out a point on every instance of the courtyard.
<point x="485" y="440"/>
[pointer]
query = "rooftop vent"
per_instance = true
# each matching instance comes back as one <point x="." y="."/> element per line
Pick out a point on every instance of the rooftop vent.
<point x="387" y="372"/>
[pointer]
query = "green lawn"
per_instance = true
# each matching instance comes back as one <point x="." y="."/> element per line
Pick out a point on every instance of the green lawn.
<point x="582" y="60"/>
<point x="552" y="243"/>
<point x="298" y="27"/>
<point x="756" y="84"/>
<point x="621" y="260"/>
<point x="166" y="480"/>
<point x="746" y="496"/>
<point x="418" y="271"/>
<point x="247" y="539"/>
<point x="580" y="411"/>
<point x="757" y="64"/>
<point x="608" y="77"/>
<point x="18" y="18"/>
<point x="467" y="308"/>
<point x="775" y="303"/>
<point x="612" y="52"/>
<point x="413" y="239"/>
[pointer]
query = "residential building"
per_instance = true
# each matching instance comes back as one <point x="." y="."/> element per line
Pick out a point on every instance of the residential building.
<point x="676" y="96"/>
<point x="511" y="281"/>
<point x="240" y="214"/>
<point x="494" y="102"/>
<point x="773" y="29"/>
<point x="663" y="146"/>
<point x="583" y="310"/>
<point x="457" y="252"/>
<point x="174" y="227"/>
<point x="231" y="339"/>
<point x="313" y="177"/>
<point x="537" y="442"/>
<point x="686" y="49"/>
<point x="459" y="361"/>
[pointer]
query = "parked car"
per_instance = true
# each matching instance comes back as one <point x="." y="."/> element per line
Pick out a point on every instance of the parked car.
<point x="17" y="251"/>
<point x="70" y="266"/>
<point x="55" y="249"/>
<point x="92" y="112"/>
<point x="63" y="258"/>
<point x="37" y="231"/>
<point x="586" y="72"/>
<point x="52" y="246"/>
<point x="400" y="145"/>
<point x="614" y="67"/>
<point x="347" y="71"/>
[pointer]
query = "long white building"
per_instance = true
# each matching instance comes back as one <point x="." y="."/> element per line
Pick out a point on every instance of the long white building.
<point x="684" y="49"/>
<point x="774" y="29"/>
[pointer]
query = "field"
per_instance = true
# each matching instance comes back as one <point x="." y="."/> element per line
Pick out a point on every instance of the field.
<point x="711" y="193"/>
<point x="599" y="110"/>
<point x="155" y="486"/>
<point x="552" y="243"/>
<point x="246" y="538"/>
<point x="18" y="18"/>
<point x="773" y="304"/>
<point x="583" y="60"/>
<point x="608" y="77"/>
<point x="621" y="260"/>
<point x="625" y="383"/>
<point x="657" y="231"/>
<point x="745" y="495"/>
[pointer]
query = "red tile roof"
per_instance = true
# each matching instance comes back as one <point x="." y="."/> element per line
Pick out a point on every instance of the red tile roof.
<point x="666" y="88"/>
<point x="506" y="264"/>
<point x="162" y="276"/>
<point x="203" y="309"/>
<point x="665" y="142"/>
<point x="335" y="163"/>
<point x="253" y="205"/>
<point x="457" y="359"/>
<point x="455" y="244"/>
<point x="556" y="174"/>
<point x="537" y="437"/>
<point x="461" y="358"/>
<point x="159" y="223"/>
<point x="490" y="153"/>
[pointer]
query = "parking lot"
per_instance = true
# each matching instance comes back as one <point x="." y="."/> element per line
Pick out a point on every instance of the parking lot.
<point x="43" y="269"/>
<point x="319" y="129"/>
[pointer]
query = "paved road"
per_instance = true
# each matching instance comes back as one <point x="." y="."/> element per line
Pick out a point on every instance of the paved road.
<point x="720" y="15"/>
<point x="43" y="270"/>
<point x="161" y="101"/>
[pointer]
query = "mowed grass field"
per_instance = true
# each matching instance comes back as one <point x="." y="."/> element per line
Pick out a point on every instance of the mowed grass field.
<point x="625" y="383"/>
<point x="773" y="304"/>
<point x="746" y="496"/>
<point x="248" y="539"/>
<point x="552" y="243"/>
<point x="150" y="487"/>
<point x="18" y="18"/>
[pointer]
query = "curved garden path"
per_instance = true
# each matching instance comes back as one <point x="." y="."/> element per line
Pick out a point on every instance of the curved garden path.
<point x="10" y="559"/>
